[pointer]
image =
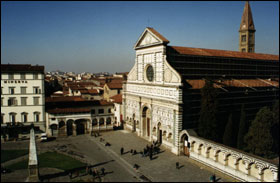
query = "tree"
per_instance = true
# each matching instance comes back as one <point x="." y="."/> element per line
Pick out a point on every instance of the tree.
<point x="228" y="138"/>
<point x="259" y="139"/>
<point x="207" y="124"/>
<point x="243" y="128"/>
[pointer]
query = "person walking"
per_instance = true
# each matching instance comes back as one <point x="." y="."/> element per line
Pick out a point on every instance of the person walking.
<point x="177" y="165"/>
<point x="103" y="171"/>
<point x="122" y="151"/>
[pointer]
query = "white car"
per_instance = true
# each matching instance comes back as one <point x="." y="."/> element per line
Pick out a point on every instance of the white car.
<point x="44" y="137"/>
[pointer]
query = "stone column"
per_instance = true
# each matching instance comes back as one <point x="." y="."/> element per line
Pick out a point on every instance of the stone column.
<point x="248" y="168"/>
<point x="260" y="174"/>
<point x="216" y="153"/>
<point x="225" y="162"/>
<point x="74" y="129"/>
<point x="206" y="152"/>
<point x="33" y="161"/>
<point x="236" y="163"/>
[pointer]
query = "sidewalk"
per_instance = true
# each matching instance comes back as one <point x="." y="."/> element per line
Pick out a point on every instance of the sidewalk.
<point x="162" y="168"/>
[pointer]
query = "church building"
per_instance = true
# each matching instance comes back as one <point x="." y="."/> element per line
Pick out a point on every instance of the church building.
<point x="161" y="96"/>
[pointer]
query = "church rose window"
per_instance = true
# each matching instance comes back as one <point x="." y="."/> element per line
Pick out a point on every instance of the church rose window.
<point x="150" y="73"/>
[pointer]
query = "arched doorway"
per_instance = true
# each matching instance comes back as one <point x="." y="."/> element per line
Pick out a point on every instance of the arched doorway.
<point x="185" y="145"/>
<point x="146" y="125"/>
<point x="80" y="126"/>
<point x="69" y="125"/>
<point x="134" y="123"/>
<point x="61" y="129"/>
<point x="54" y="130"/>
<point x="159" y="133"/>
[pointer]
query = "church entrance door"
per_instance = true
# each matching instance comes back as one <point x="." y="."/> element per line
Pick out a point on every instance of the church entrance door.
<point x="146" y="122"/>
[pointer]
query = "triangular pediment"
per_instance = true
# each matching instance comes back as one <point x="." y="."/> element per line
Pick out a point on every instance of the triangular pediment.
<point x="150" y="37"/>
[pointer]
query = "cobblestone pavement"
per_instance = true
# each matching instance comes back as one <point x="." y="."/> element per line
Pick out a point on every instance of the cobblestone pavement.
<point x="118" y="168"/>
<point x="162" y="168"/>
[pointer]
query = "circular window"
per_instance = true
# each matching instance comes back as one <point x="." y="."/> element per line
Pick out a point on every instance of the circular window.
<point x="150" y="73"/>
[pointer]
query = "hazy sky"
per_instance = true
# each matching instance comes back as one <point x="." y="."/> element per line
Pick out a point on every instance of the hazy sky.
<point x="99" y="36"/>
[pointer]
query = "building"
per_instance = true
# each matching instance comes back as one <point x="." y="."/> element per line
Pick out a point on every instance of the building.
<point x="118" y="118"/>
<point x="247" y="31"/>
<point x="74" y="115"/>
<point x="22" y="97"/>
<point x="162" y="94"/>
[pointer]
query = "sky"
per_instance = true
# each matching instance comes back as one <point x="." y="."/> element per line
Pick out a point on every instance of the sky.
<point x="99" y="36"/>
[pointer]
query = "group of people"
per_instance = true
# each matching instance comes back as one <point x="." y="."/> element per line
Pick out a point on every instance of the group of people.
<point x="95" y="134"/>
<point x="89" y="171"/>
<point x="147" y="151"/>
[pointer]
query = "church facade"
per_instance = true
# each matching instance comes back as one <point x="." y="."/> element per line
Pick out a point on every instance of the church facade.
<point x="152" y="97"/>
<point x="161" y="96"/>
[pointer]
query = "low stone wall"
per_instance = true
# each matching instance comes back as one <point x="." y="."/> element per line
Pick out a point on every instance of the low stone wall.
<point x="235" y="163"/>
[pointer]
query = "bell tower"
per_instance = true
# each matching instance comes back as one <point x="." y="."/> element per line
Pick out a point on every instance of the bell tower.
<point x="247" y="31"/>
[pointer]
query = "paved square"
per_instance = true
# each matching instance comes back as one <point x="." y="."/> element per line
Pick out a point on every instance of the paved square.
<point x="162" y="168"/>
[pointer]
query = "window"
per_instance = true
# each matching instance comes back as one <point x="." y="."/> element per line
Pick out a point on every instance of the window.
<point x="13" y="117"/>
<point x="150" y="73"/>
<point x="36" y="100"/>
<point x="36" y="116"/>
<point x="119" y="91"/>
<point x="2" y="101"/>
<point x="109" y="110"/>
<point x="250" y="50"/>
<point x="92" y="111"/>
<point x="100" y="111"/>
<point x="11" y="90"/>
<point x="23" y="100"/>
<point x="22" y="76"/>
<point x="35" y="76"/>
<point x="243" y="50"/>
<point x="1" y="90"/>
<point x="243" y="38"/>
<point x="24" y="117"/>
<point x="23" y="90"/>
<point x="10" y="76"/>
<point x="12" y="101"/>
<point x="36" y="90"/>
<point x="251" y="38"/>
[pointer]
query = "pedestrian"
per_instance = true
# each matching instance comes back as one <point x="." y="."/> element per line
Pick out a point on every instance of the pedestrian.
<point x="131" y="151"/>
<point x="136" y="166"/>
<point x="122" y="151"/>
<point x="94" y="173"/>
<point x="134" y="152"/>
<point x="213" y="178"/>
<point x="144" y="152"/>
<point x="70" y="175"/>
<point x="103" y="171"/>
<point x="151" y="156"/>
<point x="177" y="165"/>
<point x="90" y="171"/>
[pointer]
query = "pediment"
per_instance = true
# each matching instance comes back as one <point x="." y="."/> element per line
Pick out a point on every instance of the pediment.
<point x="150" y="37"/>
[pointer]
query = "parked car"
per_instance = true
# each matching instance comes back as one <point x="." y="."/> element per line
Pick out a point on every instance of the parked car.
<point x="44" y="137"/>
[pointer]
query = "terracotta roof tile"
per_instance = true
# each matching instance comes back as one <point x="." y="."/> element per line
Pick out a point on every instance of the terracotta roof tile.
<point x="68" y="110"/>
<point x="114" y="85"/>
<point x="117" y="98"/>
<point x="93" y="91"/>
<point x="64" y="99"/>
<point x="21" y="67"/>
<point x="198" y="84"/>
<point x="223" y="53"/>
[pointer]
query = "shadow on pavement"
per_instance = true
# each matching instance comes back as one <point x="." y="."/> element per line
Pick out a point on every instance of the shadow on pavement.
<point x="75" y="171"/>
